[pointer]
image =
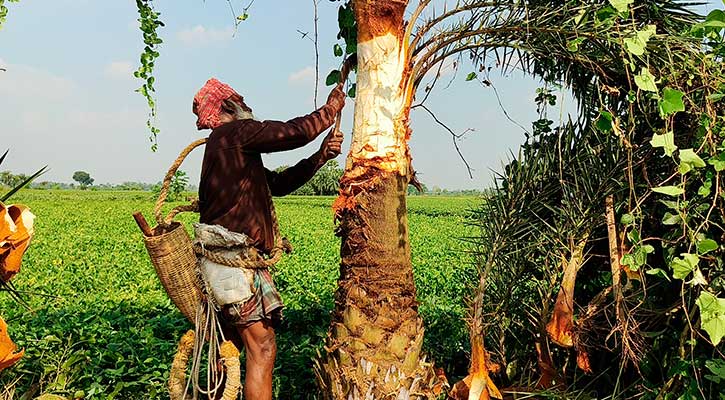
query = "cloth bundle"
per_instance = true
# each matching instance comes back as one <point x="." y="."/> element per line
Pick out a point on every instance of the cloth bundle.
<point x="227" y="285"/>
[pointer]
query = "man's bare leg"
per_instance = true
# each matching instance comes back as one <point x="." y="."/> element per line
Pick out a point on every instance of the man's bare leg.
<point x="261" y="350"/>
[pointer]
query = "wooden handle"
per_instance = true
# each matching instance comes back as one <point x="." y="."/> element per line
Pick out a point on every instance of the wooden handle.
<point x="141" y="222"/>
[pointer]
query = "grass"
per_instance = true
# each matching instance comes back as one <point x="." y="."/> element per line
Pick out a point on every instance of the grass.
<point x="100" y="325"/>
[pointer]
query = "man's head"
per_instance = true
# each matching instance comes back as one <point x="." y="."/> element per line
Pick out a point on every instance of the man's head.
<point x="217" y="104"/>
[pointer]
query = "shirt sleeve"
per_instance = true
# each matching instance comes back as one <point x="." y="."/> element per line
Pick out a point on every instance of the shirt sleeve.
<point x="273" y="136"/>
<point x="287" y="181"/>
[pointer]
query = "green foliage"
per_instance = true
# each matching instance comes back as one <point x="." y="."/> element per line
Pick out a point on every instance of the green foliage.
<point x="671" y="101"/>
<point x="639" y="89"/>
<point x="348" y="34"/>
<point x="684" y="265"/>
<point x="149" y="23"/>
<point x="645" y="80"/>
<point x="621" y="5"/>
<point x="102" y="324"/>
<point x="83" y="178"/>
<point x="4" y="11"/>
<point x="712" y="312"/>
<point x="333" y="78"/>
<point x="326" y="181"/>
<point x="178" y="185"/>
<point x="666" y="141"/>
<point x="637" y="43"/>
<point x="413" y="191"/>
<point x="669" y="190"/>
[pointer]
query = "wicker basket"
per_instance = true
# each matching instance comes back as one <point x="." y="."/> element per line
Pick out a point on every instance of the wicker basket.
<point x="171" y="250"/>
<point x="173" y="258"/>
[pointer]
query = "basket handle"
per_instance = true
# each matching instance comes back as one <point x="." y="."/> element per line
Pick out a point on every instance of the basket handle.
<point x="167" y="184"/>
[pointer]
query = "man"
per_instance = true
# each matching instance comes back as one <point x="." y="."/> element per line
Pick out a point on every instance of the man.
<point x="234" y="193"/>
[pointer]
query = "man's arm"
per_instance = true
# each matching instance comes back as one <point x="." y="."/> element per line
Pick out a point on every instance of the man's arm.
<point x="273" y="136"/>
<point x="287" y="181"/>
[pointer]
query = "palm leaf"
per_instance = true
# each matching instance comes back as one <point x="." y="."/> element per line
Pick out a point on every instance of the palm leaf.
<point x="25" y="183"/>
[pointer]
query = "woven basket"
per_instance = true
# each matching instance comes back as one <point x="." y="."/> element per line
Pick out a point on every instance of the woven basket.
<point x="171" y="250"/>
<point x="173" y="258"/>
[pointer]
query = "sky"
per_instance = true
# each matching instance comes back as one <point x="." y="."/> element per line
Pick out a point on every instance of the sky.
<point x="67" y="96"/>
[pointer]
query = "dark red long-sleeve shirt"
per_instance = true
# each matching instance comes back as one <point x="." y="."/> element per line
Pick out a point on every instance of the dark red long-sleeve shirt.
<point x="233" y="189"/>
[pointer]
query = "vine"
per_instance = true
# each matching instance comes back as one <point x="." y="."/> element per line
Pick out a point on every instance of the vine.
<point x="348" y="33"/>
<point x="149" y="23"/>
<point x="4" y="11"/>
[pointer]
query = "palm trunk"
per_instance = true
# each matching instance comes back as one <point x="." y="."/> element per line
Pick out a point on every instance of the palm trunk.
<point x="376" y="335"/>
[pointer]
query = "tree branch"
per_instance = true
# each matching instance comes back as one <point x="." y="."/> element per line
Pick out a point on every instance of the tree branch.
<point x="454" y="136"/>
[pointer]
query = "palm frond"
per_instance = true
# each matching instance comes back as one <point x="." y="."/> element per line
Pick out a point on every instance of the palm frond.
<point x="23" y="184"/>
<point x="559" y="41"/>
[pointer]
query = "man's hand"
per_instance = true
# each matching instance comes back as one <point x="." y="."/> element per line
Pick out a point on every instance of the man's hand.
<point x="336" y="98"/>
<point x="331" y="146"/>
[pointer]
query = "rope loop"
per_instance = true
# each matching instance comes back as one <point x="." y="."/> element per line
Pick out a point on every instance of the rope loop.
<point x="167" y="184"/>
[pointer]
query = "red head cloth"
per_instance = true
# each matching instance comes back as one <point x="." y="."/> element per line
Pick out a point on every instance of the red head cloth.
<point x="208" y="103"/>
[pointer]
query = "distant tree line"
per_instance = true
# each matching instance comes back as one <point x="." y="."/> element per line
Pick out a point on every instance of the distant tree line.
<point x="324" y="183"/>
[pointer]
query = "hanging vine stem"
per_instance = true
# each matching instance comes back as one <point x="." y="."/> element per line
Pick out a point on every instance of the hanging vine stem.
<point x="149" y="23"/>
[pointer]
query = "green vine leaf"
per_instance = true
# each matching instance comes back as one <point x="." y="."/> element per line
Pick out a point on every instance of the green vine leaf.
<point x="690" y="157"/>
<point x="471" y="76"/>
<point x="333" y="78"/>
<point x="706" y="188"/>
<point x="671" y="219"/>
<point x="683" y="266"/>
<point x="658" y="271"/>
<point x="638" y="257"/>
<point x="717" y="367"/>
<point x="149" y="23"/>
<point x="645" y="81"/>
<point x="604" y="122"/>
<point x="718" y="162"/>
<point x="671" y="102"/>
<point x="621" y="5"/>
<point x="712" y="315"/>
<point x="637" y="44"/>
<point x="707" y="245"/>
<point x="573" y="45"/>
<point x="627" y="219"/>
<point x="689" y="160"/>
<point x="669" y="190"/>
<point x="666" y="141"/>
<point x="4" y="11"/>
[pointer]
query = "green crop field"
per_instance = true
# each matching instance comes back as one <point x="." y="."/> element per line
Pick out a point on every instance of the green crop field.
<point x="99" y="325"/>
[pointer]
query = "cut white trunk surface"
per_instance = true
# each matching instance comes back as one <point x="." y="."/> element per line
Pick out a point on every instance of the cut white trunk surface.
<point x="379" y="104"/>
